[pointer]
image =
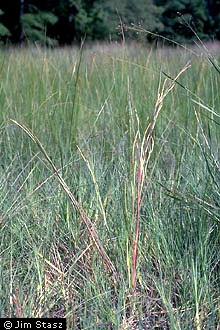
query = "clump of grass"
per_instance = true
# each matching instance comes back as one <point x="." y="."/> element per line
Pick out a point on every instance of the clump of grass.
<point x="86" y="220"/>
<point x="144" y="148"/>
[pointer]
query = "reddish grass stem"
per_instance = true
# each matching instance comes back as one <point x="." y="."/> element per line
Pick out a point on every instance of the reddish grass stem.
<point x="144" y="148"/>
<point x="86" y="220"/>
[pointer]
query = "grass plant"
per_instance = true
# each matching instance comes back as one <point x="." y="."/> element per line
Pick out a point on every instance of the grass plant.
<point x="109" y="185"/>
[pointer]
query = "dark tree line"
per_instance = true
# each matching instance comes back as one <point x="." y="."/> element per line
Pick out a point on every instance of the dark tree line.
<point x="59" y="22"/>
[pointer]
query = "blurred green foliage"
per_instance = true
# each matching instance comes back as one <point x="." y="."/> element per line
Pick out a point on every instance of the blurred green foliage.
<point x="4" y="32"/>
<point x="63" y="22"/>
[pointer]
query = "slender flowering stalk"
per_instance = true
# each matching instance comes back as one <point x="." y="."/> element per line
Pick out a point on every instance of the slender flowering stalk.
<point x="144" y="148"/>
<point x="86" y="220"/>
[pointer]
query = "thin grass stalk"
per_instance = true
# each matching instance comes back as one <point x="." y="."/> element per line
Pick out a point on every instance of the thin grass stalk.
<point x="86" y="220"/>
<point x="144" y="150"/>
<point x="75" y="91"/>
<point x="101" y="205"/>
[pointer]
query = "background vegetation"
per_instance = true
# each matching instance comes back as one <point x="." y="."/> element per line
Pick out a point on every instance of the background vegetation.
<point x="134" y="147"/>
<point x="54" y="22"/>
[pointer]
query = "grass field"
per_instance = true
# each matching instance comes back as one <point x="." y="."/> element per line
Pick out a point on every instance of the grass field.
<point x="109" y="186"/>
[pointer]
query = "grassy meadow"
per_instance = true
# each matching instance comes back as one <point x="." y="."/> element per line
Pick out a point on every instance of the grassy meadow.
<point x="109" y="186"/>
